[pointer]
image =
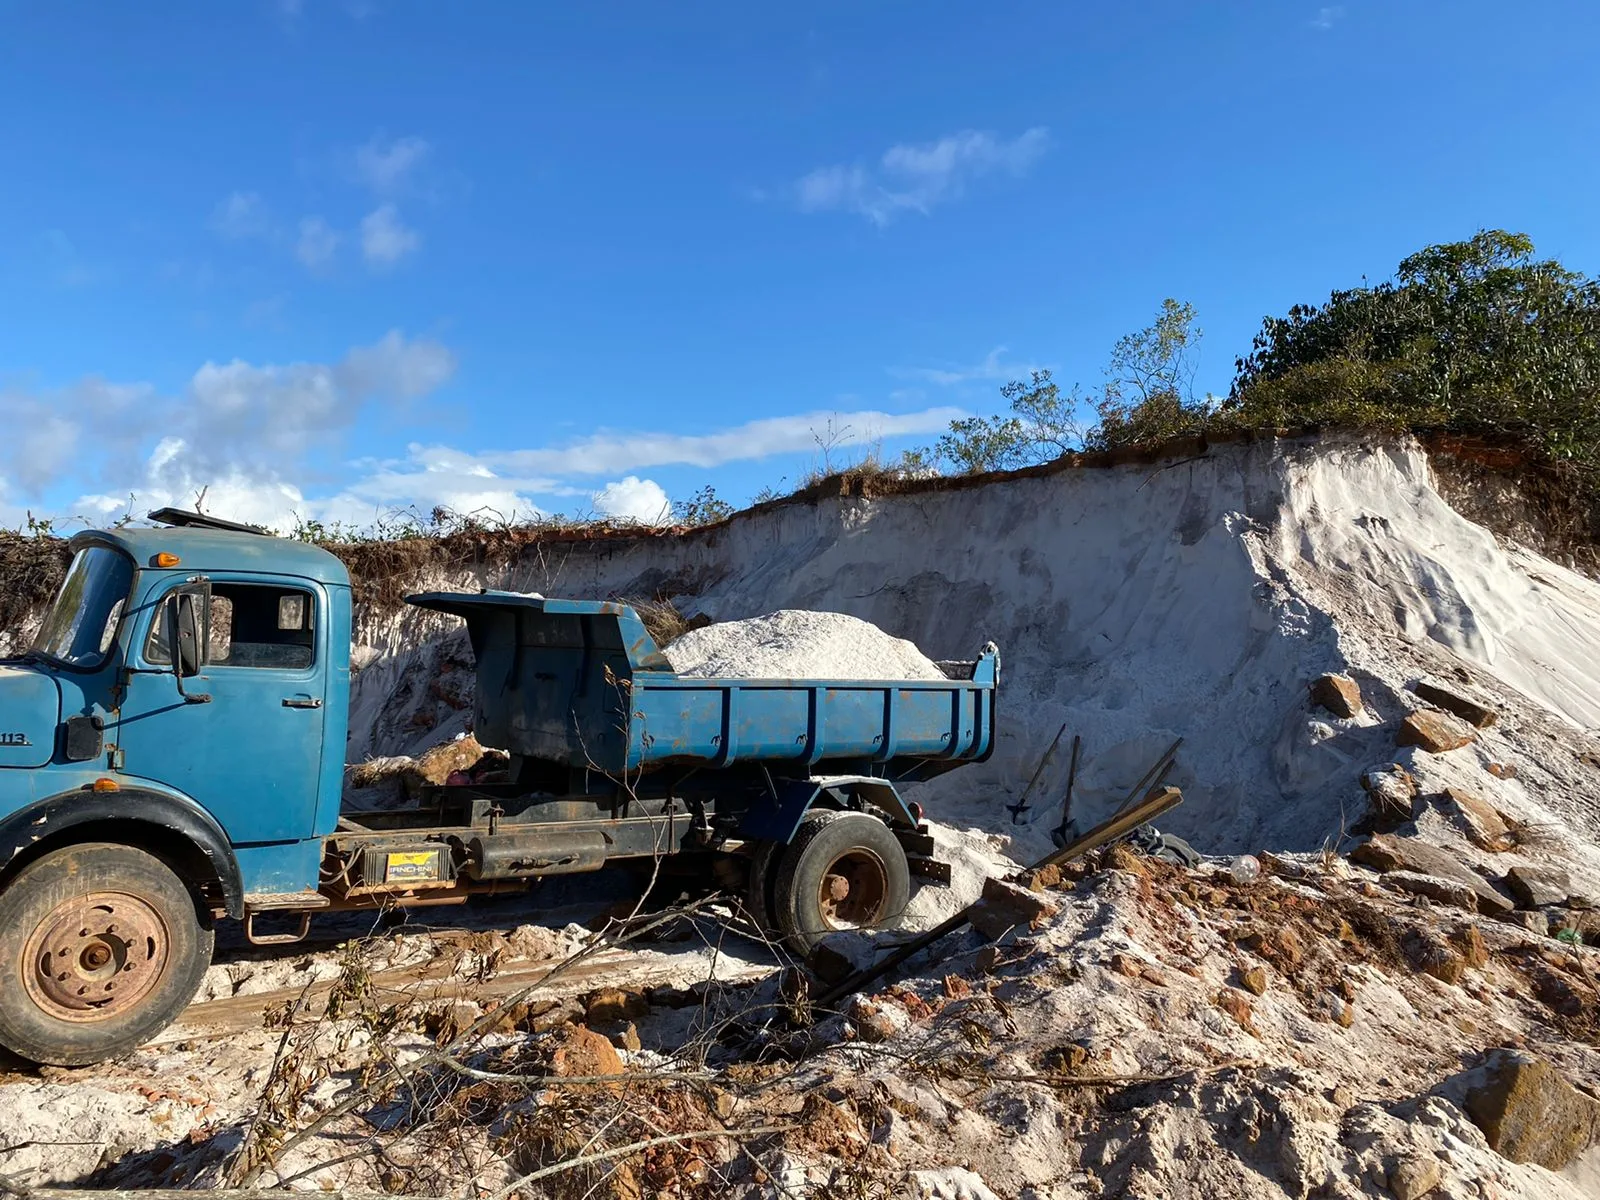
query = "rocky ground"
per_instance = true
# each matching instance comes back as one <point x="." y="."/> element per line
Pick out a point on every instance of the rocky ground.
<point x="1120" y="1027"/>
<point x="1393" y="709"/>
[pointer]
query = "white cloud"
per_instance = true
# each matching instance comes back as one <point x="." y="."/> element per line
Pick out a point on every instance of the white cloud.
<point x="635" y="500"/>
<point x="393" y="366"/>
<point x="385" y="238"/>
<point x="1327" y="17"/>
<point x="387" y="166"/>
<point x="605" y="453"/>
<point x="916" y="178"/>
<point x="317" y="244"/>
<point x="266" y="444"/>
<point x="244" y="430"/>
<point x="48" y="429"/>
<point x="991" y="369"/>
<point x="242" y="215"/>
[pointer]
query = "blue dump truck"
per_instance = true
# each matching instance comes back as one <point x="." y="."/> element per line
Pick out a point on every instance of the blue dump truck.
<point x="172" y="755"/>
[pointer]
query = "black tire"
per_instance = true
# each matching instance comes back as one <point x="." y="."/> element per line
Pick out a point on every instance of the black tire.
<point x="106" y="915"/>
<point x="760" y="890"/>
<point x="860" y="863"/>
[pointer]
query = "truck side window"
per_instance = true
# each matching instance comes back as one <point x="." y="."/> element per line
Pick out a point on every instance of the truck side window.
<point x="252" y="625"/>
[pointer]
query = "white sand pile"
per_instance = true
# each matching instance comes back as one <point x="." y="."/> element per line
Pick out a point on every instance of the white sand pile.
<point x="792" y="644"/>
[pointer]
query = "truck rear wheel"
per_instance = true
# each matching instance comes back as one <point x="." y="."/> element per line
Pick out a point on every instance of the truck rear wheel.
<point x="842" y="870"/>
<point x="100" y="948"/>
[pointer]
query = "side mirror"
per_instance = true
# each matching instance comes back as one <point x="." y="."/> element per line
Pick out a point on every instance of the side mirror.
<point x="187" y="617"/>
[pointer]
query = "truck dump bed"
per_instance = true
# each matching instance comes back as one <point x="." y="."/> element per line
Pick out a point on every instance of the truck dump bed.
<point x="581" y="683"/>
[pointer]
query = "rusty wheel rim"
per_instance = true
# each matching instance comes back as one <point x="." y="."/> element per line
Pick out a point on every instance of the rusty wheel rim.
<point x="96" y="956"/>
<point x="854" y="891"/>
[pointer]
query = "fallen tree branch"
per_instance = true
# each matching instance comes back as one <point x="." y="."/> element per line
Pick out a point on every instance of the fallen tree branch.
<point x="1073" y="1081"/>
<point x="598" y="1156"/>
<point x="575" y="1080"/>
<point x="354" y="1098"/>
<point x="246" y="1193"/>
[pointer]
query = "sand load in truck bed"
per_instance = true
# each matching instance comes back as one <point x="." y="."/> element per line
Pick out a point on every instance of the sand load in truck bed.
<point x="794" y="644"/>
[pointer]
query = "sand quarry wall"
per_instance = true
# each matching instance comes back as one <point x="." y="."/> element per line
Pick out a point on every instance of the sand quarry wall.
<point x="1195" y="598"/>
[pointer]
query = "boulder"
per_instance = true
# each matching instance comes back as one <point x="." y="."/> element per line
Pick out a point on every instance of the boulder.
<point x="1385" y="853"/>
<point x="876" y="1020"/>
<point x="1414" y="1178"/>
<point x="1443" y="891"/>
<point x="1432" y="955"/>
<point x="1339" y="694"/>
<point x="1120" y="856"/>
<point x="1457" y="701"/>
<point x="1533" y="922"/>
<point x="582" y="1052"/>
<point x="614" y="1004"/>
<point x="840" y="955"/>
<point x="1379" y="852"/>
<point x="1391" y="792"/>
<point x="1434" y="731"/>
<point x="1527" y="1111"/>
<point x="1484" y="826"/>
<point x="1007" y="906"/>
<point x="1535" y="887"/>
<point x="1237" y="1005"/>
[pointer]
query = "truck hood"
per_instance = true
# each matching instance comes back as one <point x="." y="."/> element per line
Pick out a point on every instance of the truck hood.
<point x="30" y="710"/>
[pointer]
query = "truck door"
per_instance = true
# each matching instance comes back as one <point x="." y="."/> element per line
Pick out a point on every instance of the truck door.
<point x="252" y="754"/>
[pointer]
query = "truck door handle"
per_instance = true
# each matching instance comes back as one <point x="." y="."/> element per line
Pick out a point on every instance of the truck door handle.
<point x="301" y="702"/>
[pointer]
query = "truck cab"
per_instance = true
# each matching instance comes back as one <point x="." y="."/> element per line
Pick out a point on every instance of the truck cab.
<point x="178" y="726"/>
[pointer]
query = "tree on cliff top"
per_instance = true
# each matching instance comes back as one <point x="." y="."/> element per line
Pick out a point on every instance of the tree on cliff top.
<point x="1476" y="337"/>
<point x="1148" y="395"/>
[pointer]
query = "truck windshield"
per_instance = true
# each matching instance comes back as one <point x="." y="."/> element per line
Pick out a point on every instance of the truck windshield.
<point x="82" y="623"/>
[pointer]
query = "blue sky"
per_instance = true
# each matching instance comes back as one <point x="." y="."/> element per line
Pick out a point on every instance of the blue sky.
<point x="338" y="256"/>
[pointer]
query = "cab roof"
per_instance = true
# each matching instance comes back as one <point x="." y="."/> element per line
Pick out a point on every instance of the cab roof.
<point x="202" y="549"/>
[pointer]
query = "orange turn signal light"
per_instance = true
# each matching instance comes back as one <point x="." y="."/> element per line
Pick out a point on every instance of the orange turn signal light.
<point x="106" y="785"/>
<point x="166" y="560"/>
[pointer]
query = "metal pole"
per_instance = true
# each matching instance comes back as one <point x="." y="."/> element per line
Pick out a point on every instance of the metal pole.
<point x="1060" y="834"/>
<point x="1021" y="805"/>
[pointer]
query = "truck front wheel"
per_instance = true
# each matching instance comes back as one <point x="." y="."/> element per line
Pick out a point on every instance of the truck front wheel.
<point x="842" y="870"/>
<point x="101" y="947"/>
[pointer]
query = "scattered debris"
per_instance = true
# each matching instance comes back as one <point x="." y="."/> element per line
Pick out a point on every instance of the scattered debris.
<point x="1157" y="1031"/>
